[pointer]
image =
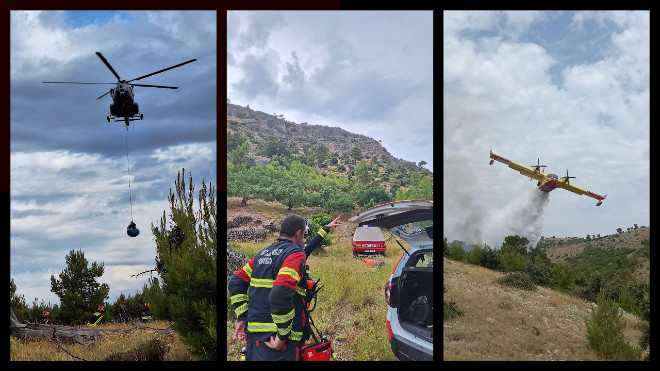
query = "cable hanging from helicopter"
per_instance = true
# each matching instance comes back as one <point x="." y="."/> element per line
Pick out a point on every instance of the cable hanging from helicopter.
<point x="131" y="230"/>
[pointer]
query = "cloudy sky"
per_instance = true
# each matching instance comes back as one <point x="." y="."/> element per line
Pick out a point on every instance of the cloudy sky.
<point x="570" y="88"/>
<point x="368" y="72"/>
<point x="68" y="175"/>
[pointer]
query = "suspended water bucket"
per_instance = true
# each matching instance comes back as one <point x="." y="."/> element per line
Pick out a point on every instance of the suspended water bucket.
<point x="132" y="230"/>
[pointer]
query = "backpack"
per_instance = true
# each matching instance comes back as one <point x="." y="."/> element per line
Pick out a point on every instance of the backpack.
<point x="418" y="310"/>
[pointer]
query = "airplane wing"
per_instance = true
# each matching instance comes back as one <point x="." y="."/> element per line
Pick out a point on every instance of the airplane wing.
<point x="580" y="191"/>
<point x="524" y="170"/>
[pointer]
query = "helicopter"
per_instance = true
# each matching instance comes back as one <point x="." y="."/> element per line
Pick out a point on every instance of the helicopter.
<point x="124" y="107"/>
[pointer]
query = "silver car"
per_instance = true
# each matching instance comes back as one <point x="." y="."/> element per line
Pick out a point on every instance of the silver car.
<point x="409" y="292"/>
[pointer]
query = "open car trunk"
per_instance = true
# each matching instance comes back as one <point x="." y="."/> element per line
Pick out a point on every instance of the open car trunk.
<point x="415" y="307"/>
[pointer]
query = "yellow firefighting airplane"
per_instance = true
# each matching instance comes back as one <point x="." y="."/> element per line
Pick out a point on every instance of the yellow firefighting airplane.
<point x="546" y="182"/>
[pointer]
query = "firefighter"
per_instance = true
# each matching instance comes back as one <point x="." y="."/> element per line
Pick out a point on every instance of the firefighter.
<point x="45" y="318"/>
<point x="145" y="313"/>
<point x="273" y="324"/>
<point x="97" y="317"/>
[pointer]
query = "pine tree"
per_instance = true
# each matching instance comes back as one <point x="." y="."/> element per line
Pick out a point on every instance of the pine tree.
<point x="77" y="288"/>
<point x="186" y="261"/>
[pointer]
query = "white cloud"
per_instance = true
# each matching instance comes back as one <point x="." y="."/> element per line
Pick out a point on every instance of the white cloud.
<point x="355" y="70"/>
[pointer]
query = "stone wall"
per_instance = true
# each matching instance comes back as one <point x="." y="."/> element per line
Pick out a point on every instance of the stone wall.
<point x="245" y="228"/>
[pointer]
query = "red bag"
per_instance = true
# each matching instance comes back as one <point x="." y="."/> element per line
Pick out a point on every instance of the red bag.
<point x="316" y="352"/>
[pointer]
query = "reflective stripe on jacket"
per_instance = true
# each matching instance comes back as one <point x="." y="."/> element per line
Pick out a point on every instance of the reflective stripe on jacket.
<point x="95" y="319"/>
<point x="274" y="302"/>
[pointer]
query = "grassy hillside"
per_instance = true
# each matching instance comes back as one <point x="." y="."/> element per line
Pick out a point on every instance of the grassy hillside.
<point x="560" y="250"/>
<point x="509" y="324"/>
<point x="351" y="307"/>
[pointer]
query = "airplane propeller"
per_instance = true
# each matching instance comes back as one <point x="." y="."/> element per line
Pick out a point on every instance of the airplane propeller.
<point x="567" y="177"/>
<point x="538" y="162"/>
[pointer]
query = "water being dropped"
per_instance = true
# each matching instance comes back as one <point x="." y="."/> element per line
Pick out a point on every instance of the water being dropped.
<point x="523" y="216"/>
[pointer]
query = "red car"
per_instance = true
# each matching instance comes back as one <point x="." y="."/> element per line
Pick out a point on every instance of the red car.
<point x="368" y="240"/>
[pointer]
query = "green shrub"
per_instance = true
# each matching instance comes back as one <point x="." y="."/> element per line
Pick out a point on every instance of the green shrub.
<point x="492" y="259"/>
<point x="514" y="262"/>
<point x="518" y="280"/>
<point x="605" y="329"/>
<point x="540" y="274"/>
<point x="449" y="308"/>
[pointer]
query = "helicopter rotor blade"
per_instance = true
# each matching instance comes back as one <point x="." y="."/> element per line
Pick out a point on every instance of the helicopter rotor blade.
<point x="108" y="65"/>
<point x="156" y="86"/>
<point x="106" y="93"/>
<point x="85" y="83"/>
<point x="163" y="70"/>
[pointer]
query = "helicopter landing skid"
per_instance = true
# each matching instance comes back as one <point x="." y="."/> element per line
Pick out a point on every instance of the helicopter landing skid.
<point x="125" y="119"/>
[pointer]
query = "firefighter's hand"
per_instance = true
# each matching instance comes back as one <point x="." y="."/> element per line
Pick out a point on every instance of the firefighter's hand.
<point x="239" y="334"/>
<point x="275" y="342"/>
<point x="334" y="223"/>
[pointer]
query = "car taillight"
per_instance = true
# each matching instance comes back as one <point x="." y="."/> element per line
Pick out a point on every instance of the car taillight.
<point x="388" y="293"/>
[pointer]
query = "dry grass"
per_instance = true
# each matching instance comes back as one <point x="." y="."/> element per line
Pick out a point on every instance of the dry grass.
<point x="173" y="348"/>
<point x="351" y="308"/>
<point x="529" y="325"/>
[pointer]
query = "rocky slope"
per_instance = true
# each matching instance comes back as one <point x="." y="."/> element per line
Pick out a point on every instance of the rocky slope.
<point x="261" y="125"/>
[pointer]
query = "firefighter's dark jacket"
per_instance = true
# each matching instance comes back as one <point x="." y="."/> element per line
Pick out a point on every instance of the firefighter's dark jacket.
<point x="277" y="283"/>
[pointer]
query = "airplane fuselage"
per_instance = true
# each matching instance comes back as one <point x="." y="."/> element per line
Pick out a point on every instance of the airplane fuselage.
<point x="548" y="183"/>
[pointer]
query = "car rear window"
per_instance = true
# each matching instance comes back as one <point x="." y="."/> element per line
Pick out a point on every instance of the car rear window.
<point x="421" y="259"/>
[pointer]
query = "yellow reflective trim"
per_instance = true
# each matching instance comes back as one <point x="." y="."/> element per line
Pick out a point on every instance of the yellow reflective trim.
<point x="295" y="335"/>
<point x="284" y="331"/>
<point x="258" y="282"/>
<point x="290" y="272"/>
<point x="261" y="327"/>
<point x="247" y="269"/>
<point x="98" y="320"/>
<point x="322" y="233"/>
<point x="238" y="298"/>
<point x="282" y="318"/>
<point x="240" y="310"/>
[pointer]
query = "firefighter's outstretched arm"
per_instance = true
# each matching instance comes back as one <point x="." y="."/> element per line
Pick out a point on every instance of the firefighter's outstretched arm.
<point x="320" y="235"/>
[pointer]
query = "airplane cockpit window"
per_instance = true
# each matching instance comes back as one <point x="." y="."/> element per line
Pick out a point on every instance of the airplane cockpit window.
<point x="553" y="176"/>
